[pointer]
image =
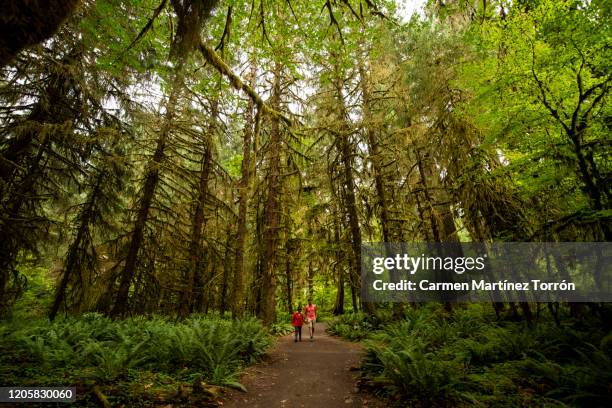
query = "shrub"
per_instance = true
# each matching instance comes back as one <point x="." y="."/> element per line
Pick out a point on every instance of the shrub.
<point x="93" y="348"/>
<point x="468" y="358"/>
<point x="352" y="326"/>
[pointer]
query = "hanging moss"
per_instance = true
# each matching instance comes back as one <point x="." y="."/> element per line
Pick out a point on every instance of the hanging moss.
<point x="191" y="15"/>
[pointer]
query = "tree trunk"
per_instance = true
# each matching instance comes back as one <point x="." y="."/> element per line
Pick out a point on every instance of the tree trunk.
<point x="9" y="244"/>
<point x="28" y="23"/>
<point x="376" y="161"/>
<point x="339" y="304"/>
<point x="335" y="243"/>
<point x="120" y="307"/>
<point x="441" y="218"/>
<point x="223" y="301"/>
<point x="310" y="279"/>
<point x="238" y="297"/>
<point x="272" y="210"/>
<point x="289" y="282"/>
<point x="72" y="259"/>
<point x="346" y="156"/>
<point x="351" y="276"/>
<point x="195" y="245"/>
<point x="15" y="192"/>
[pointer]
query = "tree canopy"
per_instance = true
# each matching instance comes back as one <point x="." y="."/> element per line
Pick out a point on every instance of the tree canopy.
<point x="187" y="156"/>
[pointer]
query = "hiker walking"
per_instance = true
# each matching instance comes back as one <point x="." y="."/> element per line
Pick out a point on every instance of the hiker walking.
<point x="311" y="318"/>
<point x="297" y="321"/>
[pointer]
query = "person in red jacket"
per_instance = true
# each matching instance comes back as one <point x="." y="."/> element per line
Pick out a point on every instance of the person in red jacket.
<point x="297" y="321"/>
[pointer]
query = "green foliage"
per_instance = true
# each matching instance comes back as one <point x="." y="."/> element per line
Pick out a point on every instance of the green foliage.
<point x="540" y="96"/>
<point x="469" y="358"/>
<point x="37" y="297"/>
<point x="281" y="328"/>
<point x="94" y="348"/>
<point x="492" y="118"/>
<point x="352" y="326"/>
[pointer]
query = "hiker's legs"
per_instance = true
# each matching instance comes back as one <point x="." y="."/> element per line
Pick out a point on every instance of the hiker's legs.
<point x="311" y="327"/>
<point x="299" y="331"/>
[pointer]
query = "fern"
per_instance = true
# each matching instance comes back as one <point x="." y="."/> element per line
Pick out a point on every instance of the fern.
<point x="104" y="350"/>
<point x="469" y="358"/>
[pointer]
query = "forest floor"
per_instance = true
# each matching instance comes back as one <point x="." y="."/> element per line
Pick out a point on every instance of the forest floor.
<point x="321" y="373"/>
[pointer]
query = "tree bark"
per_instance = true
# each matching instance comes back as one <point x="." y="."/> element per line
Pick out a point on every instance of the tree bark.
<point x="244" y="190"/>
<point x="288" y="281"/>
<point x="310" y="279"/>
<point x="346" y="156"/>
<point x="272" y="210"/>
<point x="72" y="259"/>
<point x="120" y="307"/>
<point x="26" y="23"/>
<point x="227" y="269"/>
<point x="193" y="275"/>
<point x="339" y="303"/>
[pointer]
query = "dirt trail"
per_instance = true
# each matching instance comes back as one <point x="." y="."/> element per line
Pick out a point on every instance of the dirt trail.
<point x="306" y="374"/>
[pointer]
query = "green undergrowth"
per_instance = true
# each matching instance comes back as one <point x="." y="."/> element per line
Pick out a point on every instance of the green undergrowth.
<point x="281" y="328"/>
<point x="135" y="362"/>
<point x="470" y="358"/>
<point x="357" y="326"/>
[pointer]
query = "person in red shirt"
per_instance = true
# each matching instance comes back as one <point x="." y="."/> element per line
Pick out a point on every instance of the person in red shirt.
<point x="311" y="317"/>
<point x="297" y="321"/>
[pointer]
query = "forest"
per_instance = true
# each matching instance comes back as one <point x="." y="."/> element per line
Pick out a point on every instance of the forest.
<point x="176" y="176"/>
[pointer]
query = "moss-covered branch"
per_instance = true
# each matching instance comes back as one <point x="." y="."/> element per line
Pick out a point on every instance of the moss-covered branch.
<point x="213" y="59"/>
